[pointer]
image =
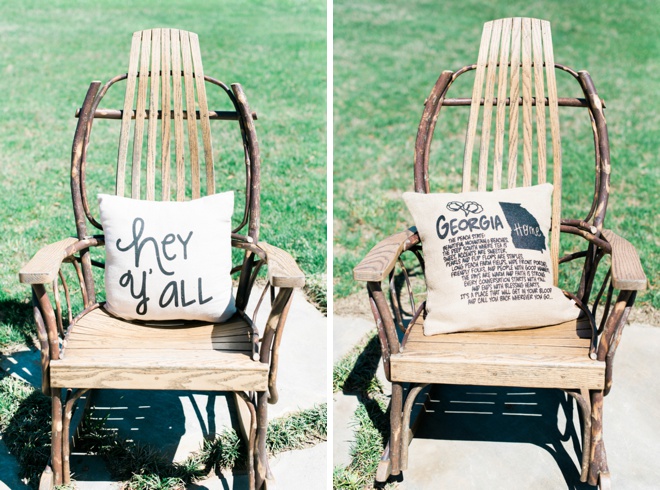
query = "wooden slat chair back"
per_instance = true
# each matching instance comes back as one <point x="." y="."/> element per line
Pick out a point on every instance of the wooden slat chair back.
<point x="166" y="67"/>
<point x="507" y="138"/>
<point x="165" y="152"/>
<point x="512" y="139"/>
<point x="165" y="146"/>
<point x="165" y="125"/>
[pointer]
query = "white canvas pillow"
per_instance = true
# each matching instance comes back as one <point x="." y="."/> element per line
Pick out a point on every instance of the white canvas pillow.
<point x="488" y="264"/>
<point x="168" y="260"/>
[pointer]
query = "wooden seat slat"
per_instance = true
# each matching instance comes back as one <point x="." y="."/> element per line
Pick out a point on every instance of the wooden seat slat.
<point x="499" y="371"/>
<point x="550" y="357"/>
<point x="121" y="354"/>
<point x="226" y="374"/>
<point x="515" y="344"/>
<point x="98" y="323"/>
<point x="157" y="356"/>
<point x="144" y="331"/>
<point x="118" y="343"/>
<point x="579" y="331"/>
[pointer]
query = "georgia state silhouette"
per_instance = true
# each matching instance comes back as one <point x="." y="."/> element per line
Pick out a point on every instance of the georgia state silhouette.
<point x="525" y="230"/>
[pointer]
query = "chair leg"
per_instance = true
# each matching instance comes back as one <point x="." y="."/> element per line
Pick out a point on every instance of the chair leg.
<point x="584" y="403"/>
<point x="395" y="456"/>
<point x="263" y="476"/>
<point x="71" y="400"/>
<point x="396" y="429"/>
<point x="599" y="473"/>
<point x="56" y="438"/>
<point x="247" y="417"/>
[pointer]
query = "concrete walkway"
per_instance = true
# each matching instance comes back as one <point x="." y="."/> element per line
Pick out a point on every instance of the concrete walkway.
<point x="177" y="422"/>
<point x="520" y="439"/>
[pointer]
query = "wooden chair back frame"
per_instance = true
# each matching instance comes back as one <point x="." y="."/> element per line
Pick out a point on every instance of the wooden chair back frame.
<point x="252" y="160"/>
<point x="251" y="214"/>
<point x="437" y="100"/>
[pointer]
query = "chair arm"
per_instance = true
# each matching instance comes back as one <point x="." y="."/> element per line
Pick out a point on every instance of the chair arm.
<point x="283" y="272"/>
<point x="45" y="265"/>
<point x="627" y="272"/>
<point x="381" y="259"/>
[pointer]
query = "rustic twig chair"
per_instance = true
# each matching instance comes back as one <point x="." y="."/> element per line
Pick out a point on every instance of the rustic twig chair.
<point x="548" y="357"/>
<point x="85" y="351"/>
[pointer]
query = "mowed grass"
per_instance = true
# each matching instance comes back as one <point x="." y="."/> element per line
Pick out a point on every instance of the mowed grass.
<point x="51" y="51"/>
<point x="388" y="55"/>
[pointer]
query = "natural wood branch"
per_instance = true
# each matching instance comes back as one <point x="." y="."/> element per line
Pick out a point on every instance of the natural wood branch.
<point x="45" y="265"/>
<point x="282" y="269"/>
<point x="627" y="272"/>
<point x="561" y="101"/>
<point x="381" y="259"/>
<point x="118" y="114"/>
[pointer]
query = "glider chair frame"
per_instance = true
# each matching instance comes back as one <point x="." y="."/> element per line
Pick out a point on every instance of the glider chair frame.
<point x="576" y="357"/>
<point x="165" y="93"/>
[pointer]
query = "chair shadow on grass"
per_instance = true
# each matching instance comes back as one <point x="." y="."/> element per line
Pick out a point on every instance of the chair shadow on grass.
<point x="157" y="420"/>
<point x="359" y="381"/>
<point x="18" y="317"/>
<point x="175" y="423"/>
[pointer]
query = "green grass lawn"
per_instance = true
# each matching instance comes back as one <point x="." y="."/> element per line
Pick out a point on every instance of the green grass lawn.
<point x="387" y="58"/>
<point x="50" y="51"/>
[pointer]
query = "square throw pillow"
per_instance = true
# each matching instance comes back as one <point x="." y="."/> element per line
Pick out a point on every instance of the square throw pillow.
<point x="488" y="264"/>
<point x="168" y="260"/>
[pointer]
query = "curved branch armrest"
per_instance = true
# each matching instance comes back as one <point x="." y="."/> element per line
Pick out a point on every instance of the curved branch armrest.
<point x="381" y="259"/>
<point x="627" y="272"/>
<point x="283" y="272"/>
<point x="45" y="265"/>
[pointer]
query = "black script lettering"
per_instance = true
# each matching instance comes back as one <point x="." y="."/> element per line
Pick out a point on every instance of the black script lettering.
<point x="127" y="280"/>
<point x="526" y="230"/>
<point x="183" y="296"/>
<point x="200" y="294"/>
<point x="185" y="244"/>
<point x="138" y="229"/>
<point x="174" y="295"/>
<point x="168" y="240"/>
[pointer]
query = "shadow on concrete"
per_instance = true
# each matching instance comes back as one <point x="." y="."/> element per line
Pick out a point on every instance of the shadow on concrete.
<point x="542" y="417"/>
